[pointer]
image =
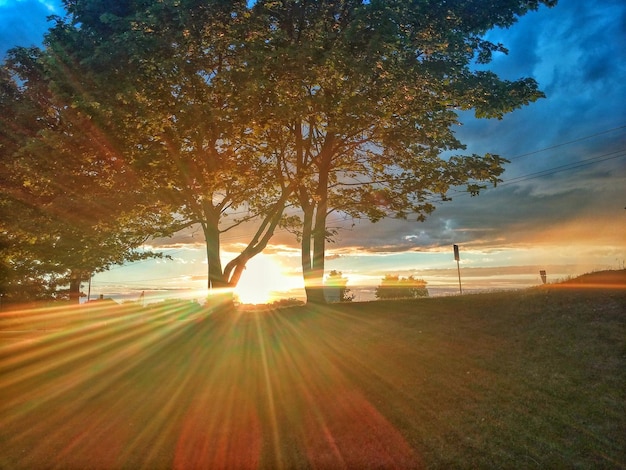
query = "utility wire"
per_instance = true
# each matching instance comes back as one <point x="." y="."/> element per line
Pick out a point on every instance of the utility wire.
<point x="541" y="174"/>
<point x="567" y="143"/>
<point x="568" y="166"/>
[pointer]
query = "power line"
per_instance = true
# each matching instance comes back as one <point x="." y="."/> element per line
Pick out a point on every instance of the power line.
<point x="567" y="143"/>
<point x="548" y="172"/>
<point x="568" y="166"/>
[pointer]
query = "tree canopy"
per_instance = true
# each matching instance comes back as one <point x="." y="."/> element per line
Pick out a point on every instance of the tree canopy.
<point x="164" y="81"/>
<point x="362" y="99"/>
<point x="224" y="113"/>
<point x="65" y="212"/>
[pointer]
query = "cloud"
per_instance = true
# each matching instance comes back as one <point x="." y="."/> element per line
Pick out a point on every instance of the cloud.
<point x="505" y="216"/>
<point x="566" y="178"/>
<point x="575" y="52"/>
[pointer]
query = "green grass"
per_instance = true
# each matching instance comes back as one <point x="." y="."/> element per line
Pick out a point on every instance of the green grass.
<point x="529" y="379"/>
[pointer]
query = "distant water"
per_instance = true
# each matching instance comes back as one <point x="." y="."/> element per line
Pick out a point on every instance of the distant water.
<point x="366" y="295"/>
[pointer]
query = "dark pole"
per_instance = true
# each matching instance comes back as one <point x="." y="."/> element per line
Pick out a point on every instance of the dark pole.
<point x="458" y="267"/>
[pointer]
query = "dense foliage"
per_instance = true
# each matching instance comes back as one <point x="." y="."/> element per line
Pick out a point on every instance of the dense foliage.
<point x="361" y="99"/>
<point x="65" y="209"/>
<point x="143" y="118"/>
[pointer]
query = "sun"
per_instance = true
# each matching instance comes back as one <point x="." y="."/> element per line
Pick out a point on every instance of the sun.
<point x="261" y="277"/>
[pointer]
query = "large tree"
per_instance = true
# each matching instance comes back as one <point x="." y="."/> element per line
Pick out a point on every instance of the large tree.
<point x="224" y="112"/>
<point x="162" y="81"/>
<point x="361" y="98"/>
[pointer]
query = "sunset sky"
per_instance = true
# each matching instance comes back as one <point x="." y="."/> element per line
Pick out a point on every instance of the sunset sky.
<point x="560" y="208"/>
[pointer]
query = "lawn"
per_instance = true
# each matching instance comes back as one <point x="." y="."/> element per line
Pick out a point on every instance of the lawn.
<point x="526" y="379"/>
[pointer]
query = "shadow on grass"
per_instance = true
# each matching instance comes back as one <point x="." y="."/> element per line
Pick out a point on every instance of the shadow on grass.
<point x="509" y="380"/>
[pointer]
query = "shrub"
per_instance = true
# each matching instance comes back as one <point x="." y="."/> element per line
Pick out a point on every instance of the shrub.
<point x="336" y="290"/>
<point x="395" y="287"/>
<point x="290" y="302"/>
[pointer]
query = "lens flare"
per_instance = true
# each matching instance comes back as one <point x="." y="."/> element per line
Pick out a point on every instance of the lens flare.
<point x="124" y="386"/>
<point x="259" y="280"/>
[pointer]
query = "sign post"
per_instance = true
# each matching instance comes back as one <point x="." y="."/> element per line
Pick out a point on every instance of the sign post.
<point x="457" y="258"/>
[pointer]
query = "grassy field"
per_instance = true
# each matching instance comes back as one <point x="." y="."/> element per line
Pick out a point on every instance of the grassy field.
<point x="526" y="379"/>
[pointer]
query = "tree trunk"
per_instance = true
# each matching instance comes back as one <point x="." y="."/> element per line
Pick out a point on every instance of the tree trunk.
<point x="234" y="269"/>
<point x="315" y="293"/>
<point x="74" y="292"/>
<point x="314" y="275"/>
<point x="222" y="281"/>
<point x="220" y="293"/>
<point x="312" y="279"/>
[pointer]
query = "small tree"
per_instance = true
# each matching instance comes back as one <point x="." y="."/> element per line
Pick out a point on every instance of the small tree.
<point x="395" y="287"/>
<point x="66" y="208"/>
<point x="336" y="287"/>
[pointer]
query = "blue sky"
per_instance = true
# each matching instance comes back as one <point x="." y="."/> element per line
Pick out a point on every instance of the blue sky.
<point x="561" y="206"/>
